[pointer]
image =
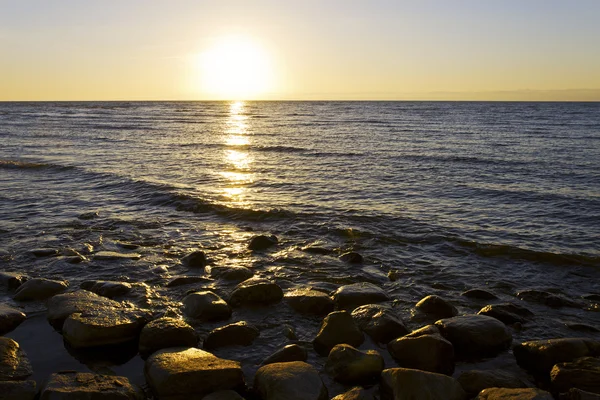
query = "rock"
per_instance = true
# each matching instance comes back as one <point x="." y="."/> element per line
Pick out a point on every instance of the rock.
<point x="262" y="242"/>
<point x="108" y="289"/>
<point x="14" y="364"/>
<point x="40" y="289"/>
<point x="393" y="275"/>
<point x="424" y="330"/>
<point x="349" y="297"/>
<point x="575" y="326"/>
<point x="506" y="312"/>
<point x="349" y="365"/>
<point x="582" y="373"/>
<point x="430" y="353"/>
<point x="291" y="352"/>
<point x="103" y="327"/>
<point x="475" y="335"/>
<point x="577" y="394"/>
<point x="411" y="384"/>
<point x="187" y="373"/>
<point x="44" y="252"/>
<point x="12" y="280"/>
<point x="539" y="356"/>
<point x="309" y="301"/>
<point x="241" y="333"/>
<point x="379" y="322"/>
<point x="206" y="306"/>
<point x="166" y="332"/>
<point x="82" y="385"/>
<point x="186" y="280"/>
<point x="356" y="393"/>
<point x="89" y="215"/>
<point x="514" y="394"/>
<point x="549" y="299"/>
<point x="337" y="328"/>
<point x="196" y="259"/>
<point x="256" y="291"/>
<point x="113" y="255"/>
<point x="479" y="294"/>
<point x="231" y="273"/>
<point x="223" y="395"/>
<point x="10" y="318"/>
<point x="18" y="390"/>
<point x="437" y="307"/>
<point x="592" y="297"/>
<point x="63" y="305"/>
<point x="475" y="381"/>
<point x="295" y="380"/>
<point x="352" y="257"/>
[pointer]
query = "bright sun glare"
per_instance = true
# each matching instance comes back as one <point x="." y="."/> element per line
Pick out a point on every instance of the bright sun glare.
<point x="235" y="68"/>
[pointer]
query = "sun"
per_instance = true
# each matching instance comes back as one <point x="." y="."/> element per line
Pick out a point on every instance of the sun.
<point x="234" y="68"/>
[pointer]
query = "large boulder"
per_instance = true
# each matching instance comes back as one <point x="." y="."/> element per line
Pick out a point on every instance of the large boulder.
<point x="184" y="373"/>
<point x="14" y="364"/>
<point x="349" y="297"/>
<point x="101" y="328"/>
<point x="508" y="313"/>
<point x="356" y="393"/>
<point x="437" y="307"/>
<point x="262" y="242"/>
<point x="231" y="273"/>
<point x="289" y="381"/>
<point x="39" y="289"/>
<point x="514" y="394"/>
<point x="583" y="373"/>
<point x="474" y="381"/>
<point x="166" y="332"/>
<point x="379" y="321"/>
<point x="18" y="390"/>
<point x="255" y="291"/>
<point x="309" y="301"/>
<point x="539" y="356"/>
<point x="349" y="365"/>
<point x="410" y="384"/>
<point x="291" y="352"/>
<point x="475" y="336"/>
<point x="337" y="328"/>
<point x="241" y="334"/>
<point x="63" y="305"/>
<point x="82" y="385"/>
<point x="10" y="318"/>
<point x="206" y="306"/>
<point x="430" y="353"/>
<point x="108" y="289"/>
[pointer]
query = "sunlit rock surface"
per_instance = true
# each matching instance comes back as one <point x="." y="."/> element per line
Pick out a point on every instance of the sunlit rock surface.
<point x="166" y="332"/>
<point x="39" y="289"/>
<point x="411" y="384"/>
<point x="289" y="381"/>
<point x="337" y="328"/>
<point x="349" y="365"/>
<point x="81" y="385"/>
<point x="475" y="335"/>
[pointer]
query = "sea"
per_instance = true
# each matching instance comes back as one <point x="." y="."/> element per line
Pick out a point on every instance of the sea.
<point x="440" y="196"/>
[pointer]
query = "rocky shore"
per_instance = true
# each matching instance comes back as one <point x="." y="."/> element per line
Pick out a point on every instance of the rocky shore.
<point x="363" y="347"/>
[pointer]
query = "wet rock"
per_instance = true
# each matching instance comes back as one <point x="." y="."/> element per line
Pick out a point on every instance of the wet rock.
<point x="356" y="393"/>
<point x="289" y="332"/>
<point x="186" y="280"/>
<point x="108" y="289"/>
<point x="262" y="242"/>
<point x="337" y="328"/>
<point x="592" y="297"/>
<point x="10" y="318"/>
<point x="575" y="326"/>
<point x="196" y="259"/>
<point x="437" y="307"/>
<point x="393" y="275"/>
<point x="231" y="273"/>
<point x="40" y="289"/>
<point x="63" y="305"/>
<point x="82" y="385"/>
<point x="577" y="394"/>
<point x="479" y="294"/>
<point x="349" y="365"/>
<point x="424" y="330"/>
<point x="44" y="252"/>
<point x="549" y="299"/>
<point x="241" y="333"/>
<point x="539" y="356"/>
<point x="256" y="291"/>
<point x="12" y="280"/>
<point x="291" y="352"/>
<point x="206" y="305"/>
<point x="166" y="332"/>
<point x="103" y="327"/>
<point x="475" y="381"/>
<point x="351" y="296"/>
<point x="507" y="312"/>
<point x="514" y="394"/>
<point x="582" y="373"/>
<point x="309" y="301"/>
<point x="187" y="373"/>
<point x="128" y="245"/>
<point x="223" y="395"/>
<point x="14" y="364"/>
<point x="89" y="215"/>
<point x="379" y="322"/>
<point x="18" y="390"/>
<point x="409" y="384"/>
<point x="295" y="380"/>
<point x="475" y="335"/>
<point x="352" y="257"/>
<point x="430" y="353"/>
<point x="113" y="255"/>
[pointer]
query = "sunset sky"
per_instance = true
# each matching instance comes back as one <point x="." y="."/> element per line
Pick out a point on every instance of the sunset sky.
<point x="203" y="50"/>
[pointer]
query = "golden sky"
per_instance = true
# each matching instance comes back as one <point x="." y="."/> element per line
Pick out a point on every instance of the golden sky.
<point x="348" y="50"/>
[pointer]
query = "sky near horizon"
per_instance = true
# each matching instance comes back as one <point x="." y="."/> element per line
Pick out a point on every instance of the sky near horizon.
<point x="301" y="50"/>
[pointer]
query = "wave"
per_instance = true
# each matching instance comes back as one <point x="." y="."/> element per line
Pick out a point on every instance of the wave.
<point x="13" y="164"/>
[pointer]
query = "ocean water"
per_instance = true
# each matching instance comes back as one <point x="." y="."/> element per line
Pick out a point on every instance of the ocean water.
<point x="451" y="196"/>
